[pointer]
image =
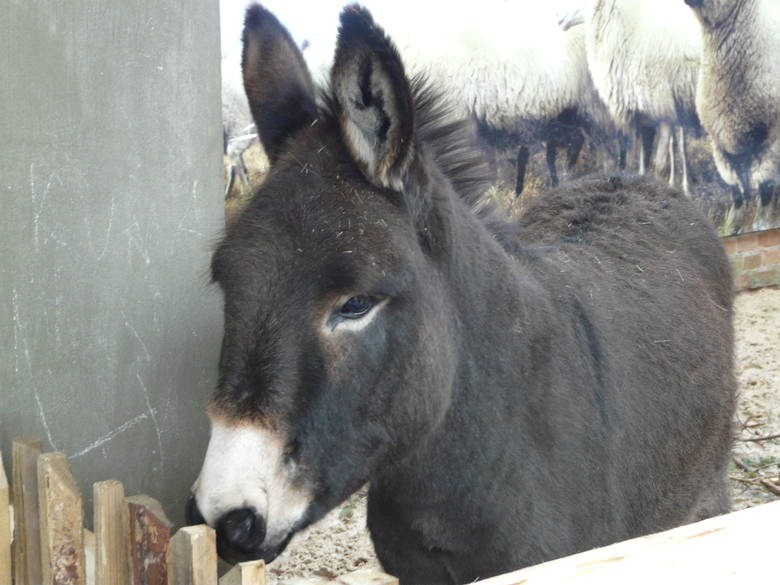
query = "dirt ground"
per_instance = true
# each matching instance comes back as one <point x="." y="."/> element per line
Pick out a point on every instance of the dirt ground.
<point x="340" y="542"/>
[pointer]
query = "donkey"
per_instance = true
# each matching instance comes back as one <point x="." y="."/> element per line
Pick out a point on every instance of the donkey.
<point x="512" y="391"/>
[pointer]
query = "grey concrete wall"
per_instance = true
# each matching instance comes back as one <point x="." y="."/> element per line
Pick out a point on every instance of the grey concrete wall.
<point x="110" y="187"/>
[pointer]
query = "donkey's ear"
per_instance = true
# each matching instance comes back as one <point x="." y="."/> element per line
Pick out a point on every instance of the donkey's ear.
<point x="373" y="99"/>
<point x="276" y="79"/>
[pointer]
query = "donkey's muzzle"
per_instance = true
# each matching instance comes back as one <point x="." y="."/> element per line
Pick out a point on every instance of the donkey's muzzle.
<point x="240" y="535"/>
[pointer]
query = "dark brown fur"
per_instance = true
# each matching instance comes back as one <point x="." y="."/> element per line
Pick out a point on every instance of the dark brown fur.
<point x="527" y="390"/>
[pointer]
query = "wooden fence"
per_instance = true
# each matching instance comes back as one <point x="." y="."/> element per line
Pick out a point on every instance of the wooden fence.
<point x="43" y="540"/>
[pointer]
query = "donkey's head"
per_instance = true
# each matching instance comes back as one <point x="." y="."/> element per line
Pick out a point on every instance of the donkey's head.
<point x="339" y="351"/>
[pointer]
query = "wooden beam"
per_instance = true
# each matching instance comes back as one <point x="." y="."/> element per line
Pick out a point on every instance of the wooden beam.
<point x="89" y="557"/>
<point x="27" y="538"/>
<point x="5" y="527"/>
<point x="192" y="556"/>
<point x="149" y="537"/>
<point x="365" y="577"/>
<point x="251" y="573"/>
<point x="62" y="522"/>
<point x="732" y="549"/>
<point x="111" y="527"/>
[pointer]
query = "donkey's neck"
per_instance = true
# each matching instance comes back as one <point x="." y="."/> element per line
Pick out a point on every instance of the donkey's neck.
<point x="502" y="321"/>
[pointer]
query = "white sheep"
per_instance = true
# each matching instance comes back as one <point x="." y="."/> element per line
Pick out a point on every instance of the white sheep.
<point x="644" y="59"/>
<point x="738" y="97"/>
<point x="238" y="128"/>
<point x="506" y="65"/>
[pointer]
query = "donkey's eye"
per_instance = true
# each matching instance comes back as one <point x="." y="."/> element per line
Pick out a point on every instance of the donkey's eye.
<point x="357" y="307"/>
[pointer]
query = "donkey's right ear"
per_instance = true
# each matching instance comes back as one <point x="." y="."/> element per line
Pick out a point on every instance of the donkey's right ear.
<point x="277" y="82"/>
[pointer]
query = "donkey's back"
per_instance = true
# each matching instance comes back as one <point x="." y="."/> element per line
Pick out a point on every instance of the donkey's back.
<point x="641" y="296"/>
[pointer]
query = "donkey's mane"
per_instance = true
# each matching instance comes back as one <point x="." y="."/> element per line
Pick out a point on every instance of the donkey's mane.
<point x="452" y="142"/>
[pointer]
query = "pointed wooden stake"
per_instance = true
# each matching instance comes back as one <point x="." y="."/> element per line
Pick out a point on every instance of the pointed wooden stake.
<point x="365" y="577"/>
<point x="111" y="523"/>
<point x="149" y="537"/>
<point x="192" y="557"/>
<point x="5" y="527"/>
<point x="62" y="522"/>
<point x="89" y="557"/>
<point x="251" y="573"/>
<point x="27" y="538"/>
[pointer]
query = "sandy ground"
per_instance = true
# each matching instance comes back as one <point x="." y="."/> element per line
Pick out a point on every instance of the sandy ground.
<point x="757" y="327"/>
<point x="340" y="542"/>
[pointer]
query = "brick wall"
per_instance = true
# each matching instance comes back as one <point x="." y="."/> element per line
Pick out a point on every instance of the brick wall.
<point x="755" y="258"/>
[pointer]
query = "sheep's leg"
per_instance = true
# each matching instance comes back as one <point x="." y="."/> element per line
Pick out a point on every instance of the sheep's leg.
<point x="243" y="173"/>
<point x="551" y="154"/>
<point x="522" y="163"/>
<point x="671" y="159"/>
<point x="736" y="195"/>
<point x="744" y="180"/>
<point x="573" y="150"/>
<point x="623" y="141"/>
<point x="767" y="191"/>
<point x="646" y="138"/>
<point x="230" y="181"/>
<point x="682" y="147"/>
<point x="663" y="149"/>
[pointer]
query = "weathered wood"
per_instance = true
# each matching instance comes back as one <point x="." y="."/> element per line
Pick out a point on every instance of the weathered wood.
<point x="149" y="537"/>
<point x="365" y="577"/>
<point x="89" y="557"/>
<point x="735" y="548"/>
<point x="192" y="557"/>
<point x="61" y="522"/>
<point x="27" y="538"/>
<point x="5" y="527"/>
<point x="111" y="527"/>
<point x="251" y="573"/>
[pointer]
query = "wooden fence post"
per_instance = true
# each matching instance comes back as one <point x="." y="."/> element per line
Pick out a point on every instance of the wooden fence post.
<point x="89" y="557"/>
<point x="27" y="539"/>
<point x="149" y="537"/>
<point x="111" y="527"/>
<point x="251" y="573"/>
<point x="61" y="522"/>
<point x="5" y="528"/>
<point x="365" y="577"/>
<point x="192" y="557"/>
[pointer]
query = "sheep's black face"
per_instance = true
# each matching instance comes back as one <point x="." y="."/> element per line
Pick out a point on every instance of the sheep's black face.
<point x="714" y="13"/>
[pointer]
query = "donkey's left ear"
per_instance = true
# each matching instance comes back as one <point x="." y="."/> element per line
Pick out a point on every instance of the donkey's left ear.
<point x="373" y="100"/>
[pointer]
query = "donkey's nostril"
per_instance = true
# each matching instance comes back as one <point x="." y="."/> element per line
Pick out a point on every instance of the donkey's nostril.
<point x="242" y="529"/>
<point x="192" y="514"/>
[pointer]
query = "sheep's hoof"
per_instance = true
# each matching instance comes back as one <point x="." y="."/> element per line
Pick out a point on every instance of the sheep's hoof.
<point x="767" y="191"/>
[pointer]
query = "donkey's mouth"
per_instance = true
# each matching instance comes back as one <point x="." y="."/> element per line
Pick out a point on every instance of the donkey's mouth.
<point x="235" y="554"/>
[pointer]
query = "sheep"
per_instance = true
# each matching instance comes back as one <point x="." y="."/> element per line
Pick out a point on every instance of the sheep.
<point x="238" y="128"/>
<point x="738" y="97"/>
<point x="644" y="60"/>
<point x="518" y="76"/>
<point x="510" y="69"/>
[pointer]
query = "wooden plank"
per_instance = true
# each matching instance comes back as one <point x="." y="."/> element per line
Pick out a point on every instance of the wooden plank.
<point x="89" y="557"/>
<point x="5" y="527"/>
<point x="27" y="537"/>
<point x="192" y="556"/>
<point x="111" y="526"/>
<point x="62" y="522"/>
<point x="735" y="548"/>
<point x="365" y="577"/>
<point x="251" y="573"/>
<point x="149" y="537"/>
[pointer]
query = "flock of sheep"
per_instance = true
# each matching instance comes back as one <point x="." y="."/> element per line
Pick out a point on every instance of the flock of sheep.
<point x="612" y="73"/>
